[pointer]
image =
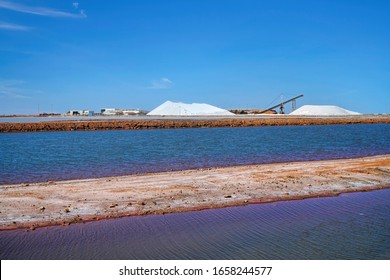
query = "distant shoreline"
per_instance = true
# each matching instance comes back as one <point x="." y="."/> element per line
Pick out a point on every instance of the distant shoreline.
<point x="145" y="122"/>
<point x="73" y="201"/>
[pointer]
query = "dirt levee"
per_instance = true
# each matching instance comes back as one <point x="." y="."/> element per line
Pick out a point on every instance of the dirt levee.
<point x="71" y="125"/>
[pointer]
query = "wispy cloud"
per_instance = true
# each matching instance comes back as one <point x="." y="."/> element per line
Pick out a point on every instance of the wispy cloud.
<point x="41" y="11"/>
<point x="11" y="26"/>
<point x="161" y="84"/>
<point x="13" y="89"/>
<point x="76" y="6"/>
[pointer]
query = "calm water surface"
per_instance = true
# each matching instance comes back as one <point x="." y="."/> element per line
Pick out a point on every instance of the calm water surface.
<point x="32" y="157"/>
<point x="350" y="226"/>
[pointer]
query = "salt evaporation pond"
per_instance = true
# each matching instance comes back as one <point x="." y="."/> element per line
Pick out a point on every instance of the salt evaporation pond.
<point x="34" y="157"/>
<point x="350" y="226"/>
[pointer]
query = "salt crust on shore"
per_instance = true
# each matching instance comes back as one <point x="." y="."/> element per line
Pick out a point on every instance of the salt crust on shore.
<point x="65" y="202"/>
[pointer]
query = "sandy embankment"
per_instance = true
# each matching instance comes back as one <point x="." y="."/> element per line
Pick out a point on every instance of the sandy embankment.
<point x="64" y="202"/>
<point x="236" y="121"/>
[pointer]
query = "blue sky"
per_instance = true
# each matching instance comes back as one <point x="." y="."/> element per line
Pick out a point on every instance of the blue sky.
<point x="91" y="54"/>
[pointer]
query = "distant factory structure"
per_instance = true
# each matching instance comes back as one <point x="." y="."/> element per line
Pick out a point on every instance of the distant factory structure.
<point x="122" y="112"/>
<point x="106" y="112"/>
<point x="80" y="113"/>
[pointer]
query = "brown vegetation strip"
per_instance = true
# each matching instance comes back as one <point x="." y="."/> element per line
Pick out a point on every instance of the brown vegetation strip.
<point x="185" y="123"/>
<point x="65" y="202"/>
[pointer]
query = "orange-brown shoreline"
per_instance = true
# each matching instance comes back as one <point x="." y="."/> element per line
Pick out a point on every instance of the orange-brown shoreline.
<point x="64" y="202"/>
<point x="144" y="123"/>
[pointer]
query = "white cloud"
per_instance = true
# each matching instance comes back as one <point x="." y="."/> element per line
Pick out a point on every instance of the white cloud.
<point x="161" y="84"/>
<point x="12" y="89"/>
<point x="75" y="5"/>
<point x="41" y="11"/>
<point x="11" y="26"/>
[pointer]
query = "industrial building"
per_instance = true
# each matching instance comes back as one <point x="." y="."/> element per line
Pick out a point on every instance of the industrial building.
<point x="80" y="113"/>
<point x="120" y="112"/>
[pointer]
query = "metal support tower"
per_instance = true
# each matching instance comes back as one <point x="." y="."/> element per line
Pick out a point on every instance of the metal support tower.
<point x="293" y="105"/>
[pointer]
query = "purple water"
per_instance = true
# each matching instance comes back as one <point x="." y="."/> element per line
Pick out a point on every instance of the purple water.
<point x="350" y="226"/>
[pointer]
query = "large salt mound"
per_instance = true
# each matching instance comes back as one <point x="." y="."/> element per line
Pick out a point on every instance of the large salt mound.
<point x="317" y="110"/>
<point x="170" y="108"/>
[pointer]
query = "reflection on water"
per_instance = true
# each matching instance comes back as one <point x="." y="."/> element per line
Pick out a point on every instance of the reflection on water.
<point x="350" y="226"/>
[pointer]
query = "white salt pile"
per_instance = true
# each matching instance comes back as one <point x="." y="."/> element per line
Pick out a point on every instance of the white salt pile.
<point x="170" y="108"/>
<point x="320" y="110"/>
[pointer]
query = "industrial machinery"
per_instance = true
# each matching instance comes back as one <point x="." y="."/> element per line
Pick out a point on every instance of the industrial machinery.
<point x="281" y="105"/>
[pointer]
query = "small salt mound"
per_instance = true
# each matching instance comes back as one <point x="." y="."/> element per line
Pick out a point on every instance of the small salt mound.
<point x="170" y="108"/>
<point x="317" y="110"/>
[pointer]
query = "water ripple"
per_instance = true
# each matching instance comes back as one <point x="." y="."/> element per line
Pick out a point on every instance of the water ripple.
<point x="350" y="226"/>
